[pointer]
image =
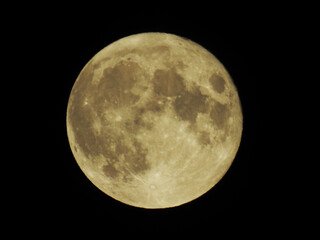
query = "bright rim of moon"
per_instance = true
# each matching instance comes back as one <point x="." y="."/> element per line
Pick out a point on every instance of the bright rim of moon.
<point x="154" y="120"/>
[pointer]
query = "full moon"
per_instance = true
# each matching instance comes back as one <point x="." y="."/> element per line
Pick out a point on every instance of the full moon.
<point x="154" y="120"/>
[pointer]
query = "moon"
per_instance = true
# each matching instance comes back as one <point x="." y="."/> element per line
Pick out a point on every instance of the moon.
<point x="154" y="120"/>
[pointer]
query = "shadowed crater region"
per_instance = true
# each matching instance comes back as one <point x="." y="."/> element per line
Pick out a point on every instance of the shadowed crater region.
<point x="116" y="84"/>
<point x="220" y="114"/>
<point x="189" y="104"/>
<point x="204" y="138"/>
<point x="217" y="83"/>
<point x="112" y="91"/>
<point x="124" y="160"/>
<point x="167" y="82"/>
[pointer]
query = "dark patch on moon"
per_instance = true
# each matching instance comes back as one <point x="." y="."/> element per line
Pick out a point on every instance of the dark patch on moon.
<point x="79" y="90"/>
<point x="153" y="106"/>
<point x="180" y="65"/>
<point x="81" y="120"/>
<point x="160" y="49"/>
<point x="113" y="90"/>
<point x="189" y="104"/>
<point x="115" y="85"/>
<point x="110" y="171"/>
<point x="217" y="82"/>
<point x="224" y="135"/>
<point x="136" y="123"/>
<point x="220" y="114"/>
<point x="167" y="82"/>
<point x="137" y="161"/>
<point x="131" y="126"/>
<point x="85" y="77"/>
<point x="140" y="123"/>
<point x="133" y="159"/>
<point x="204" y="138"/>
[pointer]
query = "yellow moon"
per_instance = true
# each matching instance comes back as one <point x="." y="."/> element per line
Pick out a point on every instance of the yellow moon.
<point x="154" y="120"/>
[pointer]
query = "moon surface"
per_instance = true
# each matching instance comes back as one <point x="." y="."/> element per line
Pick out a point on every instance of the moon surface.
<point x="154" y="120"/>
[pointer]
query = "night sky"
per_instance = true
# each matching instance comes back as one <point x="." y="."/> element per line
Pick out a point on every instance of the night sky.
<point x="59" y="193"/>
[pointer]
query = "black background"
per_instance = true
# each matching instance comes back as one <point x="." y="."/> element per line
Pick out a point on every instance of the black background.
<point x="58" y="193"/>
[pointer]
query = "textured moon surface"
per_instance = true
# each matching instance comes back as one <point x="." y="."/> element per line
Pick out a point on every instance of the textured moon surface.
<point x="154" y="120"/>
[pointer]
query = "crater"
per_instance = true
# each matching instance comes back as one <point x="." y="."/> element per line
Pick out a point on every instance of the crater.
<point x="167" y="82"/>
<point x="220" y="114"/>
<point x="217" y="82"/>
<point x="188" y="105"/>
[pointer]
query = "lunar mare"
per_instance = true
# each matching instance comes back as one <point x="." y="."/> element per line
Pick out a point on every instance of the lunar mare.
<point x="154" y="120"/>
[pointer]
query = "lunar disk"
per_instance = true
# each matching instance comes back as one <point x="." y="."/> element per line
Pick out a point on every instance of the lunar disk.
<point x="154" y="120"/>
